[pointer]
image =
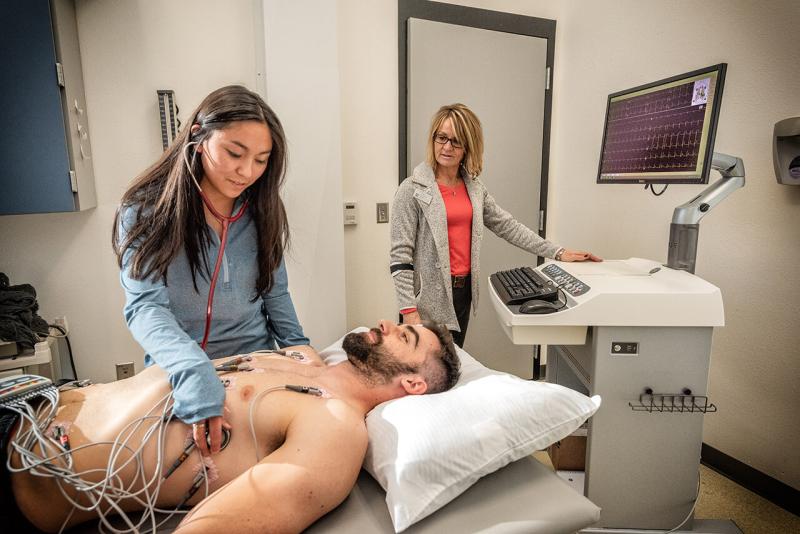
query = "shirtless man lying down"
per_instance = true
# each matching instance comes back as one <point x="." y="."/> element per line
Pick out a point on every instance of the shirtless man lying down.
<point x="308" y="447"/>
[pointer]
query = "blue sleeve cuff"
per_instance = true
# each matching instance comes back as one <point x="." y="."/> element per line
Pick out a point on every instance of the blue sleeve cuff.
<point x="198" y="393"/>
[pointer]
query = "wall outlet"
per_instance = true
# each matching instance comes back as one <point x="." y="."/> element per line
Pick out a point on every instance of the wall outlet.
<point x="124" y="370"/>
<point x="61" y="321"/>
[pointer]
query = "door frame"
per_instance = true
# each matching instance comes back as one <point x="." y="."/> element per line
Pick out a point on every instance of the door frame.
<point x="486" y="20"/>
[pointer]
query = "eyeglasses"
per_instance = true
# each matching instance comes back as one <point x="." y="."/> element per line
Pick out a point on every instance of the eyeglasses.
<point x="442" y="139"/>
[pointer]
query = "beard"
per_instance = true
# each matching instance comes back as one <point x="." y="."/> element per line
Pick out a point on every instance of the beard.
<point x="372" y="360"/>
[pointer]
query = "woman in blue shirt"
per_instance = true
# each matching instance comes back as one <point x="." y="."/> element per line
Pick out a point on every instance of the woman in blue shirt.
<point x="215" y="190"/>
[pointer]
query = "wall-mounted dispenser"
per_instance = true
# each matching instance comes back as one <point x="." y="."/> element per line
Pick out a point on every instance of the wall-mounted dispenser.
<point x="786" y="151"/>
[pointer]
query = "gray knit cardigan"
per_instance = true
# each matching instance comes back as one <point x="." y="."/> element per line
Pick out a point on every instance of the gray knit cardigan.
<point x="419" y="239"/>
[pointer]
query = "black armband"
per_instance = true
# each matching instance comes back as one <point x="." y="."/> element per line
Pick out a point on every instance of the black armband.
<point x="401" y="267"/>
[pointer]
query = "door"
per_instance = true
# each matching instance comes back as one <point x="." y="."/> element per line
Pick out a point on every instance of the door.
<point x="501" y="76"/>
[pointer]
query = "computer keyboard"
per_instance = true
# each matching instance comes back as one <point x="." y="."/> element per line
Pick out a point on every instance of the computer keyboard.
<point x="521" y="284"/>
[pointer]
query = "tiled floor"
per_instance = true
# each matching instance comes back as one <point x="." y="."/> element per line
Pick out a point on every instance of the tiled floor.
<point x="721" y="498"/>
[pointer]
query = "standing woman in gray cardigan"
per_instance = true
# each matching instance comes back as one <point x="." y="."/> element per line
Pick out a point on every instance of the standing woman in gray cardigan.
<point x="437" y="224"/>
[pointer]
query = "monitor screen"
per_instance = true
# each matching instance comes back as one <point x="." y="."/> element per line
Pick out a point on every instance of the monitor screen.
<point x="662" y="132"/>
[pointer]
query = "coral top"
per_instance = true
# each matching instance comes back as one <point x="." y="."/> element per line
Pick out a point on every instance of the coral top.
<point x="459" y="226"/>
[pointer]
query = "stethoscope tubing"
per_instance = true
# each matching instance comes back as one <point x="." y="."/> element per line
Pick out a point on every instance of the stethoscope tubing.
<point x="223" y="240"/>
<point x="226" y="222"/>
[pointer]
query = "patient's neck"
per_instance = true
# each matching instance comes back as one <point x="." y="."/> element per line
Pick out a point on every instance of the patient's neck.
<point x="345" y="382"/>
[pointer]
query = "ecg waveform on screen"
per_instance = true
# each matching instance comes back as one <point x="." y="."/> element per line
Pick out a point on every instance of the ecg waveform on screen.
<point x="656" y="132"/>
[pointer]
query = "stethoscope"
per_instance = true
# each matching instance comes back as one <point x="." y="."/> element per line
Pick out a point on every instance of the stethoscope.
<point x="226" y="222"/>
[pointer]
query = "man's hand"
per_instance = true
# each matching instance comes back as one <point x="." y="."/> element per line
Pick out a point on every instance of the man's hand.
<point x="579" y="255"/>
<point x="412" y="318"/>
<point x="213" y="426"/>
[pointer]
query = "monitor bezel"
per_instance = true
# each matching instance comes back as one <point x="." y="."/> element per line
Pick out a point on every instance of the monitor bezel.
<point x="720" y="69"/>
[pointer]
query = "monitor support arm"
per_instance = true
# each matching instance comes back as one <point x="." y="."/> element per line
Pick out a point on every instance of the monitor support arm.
<point x="685" y="227"/>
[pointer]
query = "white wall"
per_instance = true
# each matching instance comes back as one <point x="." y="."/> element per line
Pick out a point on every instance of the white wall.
<point x="748" y="244"/>
<point x="368" y="65"/>
<point x="303" y="88"/>
<point x="131" y="48"/>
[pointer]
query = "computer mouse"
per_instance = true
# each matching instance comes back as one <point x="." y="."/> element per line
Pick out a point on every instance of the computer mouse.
<point x="539" y="306"/>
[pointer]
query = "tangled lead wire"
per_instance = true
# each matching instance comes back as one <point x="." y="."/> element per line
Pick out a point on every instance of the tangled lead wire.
<point x="44" y="456"/>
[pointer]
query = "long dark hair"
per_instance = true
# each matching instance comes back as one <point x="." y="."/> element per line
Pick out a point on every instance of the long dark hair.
<point x="169" y="209"/>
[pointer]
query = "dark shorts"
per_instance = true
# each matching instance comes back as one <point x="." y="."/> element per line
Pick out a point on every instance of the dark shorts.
<point x="11" y="518"/>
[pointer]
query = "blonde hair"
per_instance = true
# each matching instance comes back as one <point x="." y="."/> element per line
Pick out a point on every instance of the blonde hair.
<point x="468" y="131"/>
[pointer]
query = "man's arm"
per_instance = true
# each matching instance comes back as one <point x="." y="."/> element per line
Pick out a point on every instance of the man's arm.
<point x="307" y="477"/>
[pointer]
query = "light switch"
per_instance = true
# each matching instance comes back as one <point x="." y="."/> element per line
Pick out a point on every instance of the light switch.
<point x="382" y="212"/>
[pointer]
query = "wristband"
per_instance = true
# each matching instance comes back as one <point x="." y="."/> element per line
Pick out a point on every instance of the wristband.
<point x="559" y="253"/>
<point x="406" y="311"/>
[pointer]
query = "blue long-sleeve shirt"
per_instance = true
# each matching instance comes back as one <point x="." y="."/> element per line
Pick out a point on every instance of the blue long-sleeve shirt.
<point x="168" y="320"/>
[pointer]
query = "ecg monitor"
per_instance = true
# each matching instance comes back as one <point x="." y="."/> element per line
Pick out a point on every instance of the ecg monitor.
<point x="662" y="132"/>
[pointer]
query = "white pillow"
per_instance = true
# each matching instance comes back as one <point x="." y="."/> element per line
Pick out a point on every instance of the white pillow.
<point x="425" y="450"/>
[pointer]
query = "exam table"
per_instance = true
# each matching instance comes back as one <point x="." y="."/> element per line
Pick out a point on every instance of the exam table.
<point x="524" y="497"/>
